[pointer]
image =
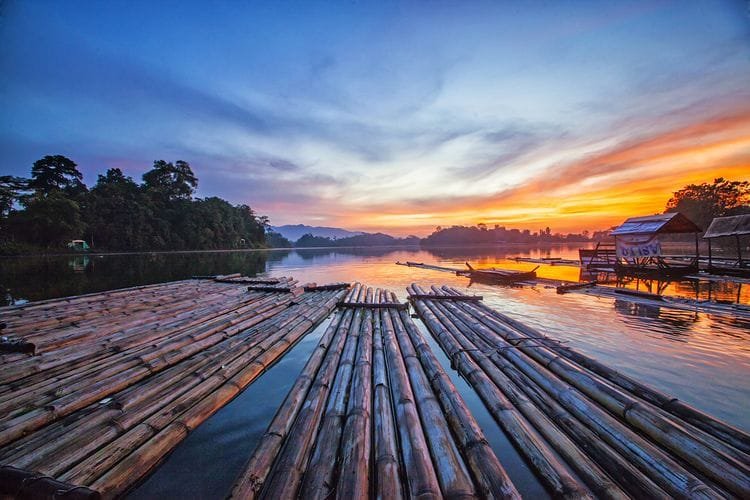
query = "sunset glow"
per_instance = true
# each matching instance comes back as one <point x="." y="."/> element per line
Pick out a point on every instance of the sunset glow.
<point x="395" y="118"/>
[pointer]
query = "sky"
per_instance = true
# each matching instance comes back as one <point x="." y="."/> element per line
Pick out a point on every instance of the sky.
<point x="389" y="116"/>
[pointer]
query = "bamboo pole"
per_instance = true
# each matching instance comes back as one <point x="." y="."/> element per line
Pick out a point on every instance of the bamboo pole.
<point x="318" y="482"/>
<point x="721" y="430"/>
<point x="115" y="466"/>
<point x="553" y="473"/>
<point x="115" y="378"/>
<point x="354" y="474"/>
<point x="285" y="477"/>
<point x="250" y="481"/>
<point x="491" y="478"/>
<point x="419" y="472"/>
<point x="385" y="440"/>
<point x="692" y="447"/>
<point x="453" y="475"/>
<point x="458" y="345"/>
<point x="663" y="470"/>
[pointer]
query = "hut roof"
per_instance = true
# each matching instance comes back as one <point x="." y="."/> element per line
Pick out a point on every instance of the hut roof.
<point x="728" y="226"/>
<point x="673" y="222"/>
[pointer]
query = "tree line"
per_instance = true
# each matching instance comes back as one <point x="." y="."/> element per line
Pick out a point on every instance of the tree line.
<point x="54" y="206"/>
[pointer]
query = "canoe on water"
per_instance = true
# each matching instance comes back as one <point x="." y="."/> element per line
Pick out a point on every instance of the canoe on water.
<point x="499" y="275"/>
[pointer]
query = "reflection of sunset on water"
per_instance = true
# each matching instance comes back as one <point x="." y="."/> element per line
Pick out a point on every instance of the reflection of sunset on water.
<point x="653" y="344"/>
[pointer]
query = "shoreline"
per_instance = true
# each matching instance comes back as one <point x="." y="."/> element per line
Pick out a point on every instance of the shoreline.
<point x="228" y="250"/>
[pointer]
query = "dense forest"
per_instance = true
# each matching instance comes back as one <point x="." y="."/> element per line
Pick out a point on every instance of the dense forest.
<point x="361" y="240"/>
<point x="482" y="235"/>
<point x="54" y="206"/>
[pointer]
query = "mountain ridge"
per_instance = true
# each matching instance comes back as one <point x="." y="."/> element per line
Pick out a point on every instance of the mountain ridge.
<point x="294" y="232"/>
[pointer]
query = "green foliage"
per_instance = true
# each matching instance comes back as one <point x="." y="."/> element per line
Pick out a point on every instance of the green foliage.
<point x="56" y="173"/>
<point x="361" y="240"/>
<point x="276" y="240"/>
<point x="481" y="235"/>
<point x="169" y="181"/>
<point x="118" y="214"/>
<point x="10" y="190"/>
<point x="47" y="221"/>
<point x="701" y="203"/>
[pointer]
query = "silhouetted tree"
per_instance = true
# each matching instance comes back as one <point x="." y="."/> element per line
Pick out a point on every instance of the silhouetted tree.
<point x="701" y="203"/>
<point x="48" y="221"/>
<point x="170" y="181"/>
<point x="11" y="188"/>
<point x="56" y="173"/>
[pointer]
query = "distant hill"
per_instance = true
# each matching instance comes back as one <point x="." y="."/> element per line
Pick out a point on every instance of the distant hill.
<point x="295" y="232"/>
<point x="362" y="240"/>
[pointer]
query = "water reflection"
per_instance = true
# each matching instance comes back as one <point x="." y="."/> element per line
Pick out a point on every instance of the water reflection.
<point x="671" y="322"/>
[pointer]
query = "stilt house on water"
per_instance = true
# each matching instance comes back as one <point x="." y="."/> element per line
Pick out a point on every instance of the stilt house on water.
<point x="729" y="227"/>
<point x="639" y="246"/>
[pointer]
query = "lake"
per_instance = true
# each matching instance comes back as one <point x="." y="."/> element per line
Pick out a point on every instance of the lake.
<point x="703" y="359"/>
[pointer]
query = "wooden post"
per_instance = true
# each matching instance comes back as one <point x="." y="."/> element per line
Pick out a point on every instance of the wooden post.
<point x="697" y="254"/>
<point x="739" y="250"/>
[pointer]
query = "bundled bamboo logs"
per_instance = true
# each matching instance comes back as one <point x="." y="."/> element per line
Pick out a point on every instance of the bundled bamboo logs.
<point x="617" y="434"/>
<point x="373" y="415"/>
<point x="103" y="416"/>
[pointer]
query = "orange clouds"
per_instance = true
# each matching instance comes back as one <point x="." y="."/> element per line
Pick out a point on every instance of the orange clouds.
<point x="598" y="190"/>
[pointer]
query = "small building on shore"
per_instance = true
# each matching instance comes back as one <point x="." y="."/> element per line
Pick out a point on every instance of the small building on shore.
<point x="638" y="245"/>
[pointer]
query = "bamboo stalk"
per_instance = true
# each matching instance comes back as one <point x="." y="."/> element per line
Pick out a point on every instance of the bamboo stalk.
<point x="554" y="474"/>
<point x="731" y="435"/>
<point x="663" y="470"/>
<point x="453" y="475"/>
<point x="250" y="481"/>
<point x="457" y="345"/>
<point x="420" y="474"/>
<point x="285" y="477"/>
<point x="354" y="475"/>
<point x="385" y="440"/>
<point x="113" y="466"/>
<point x="689" y="446"/>
<point x="318" y="482"/>
<point x="492" y="479"/>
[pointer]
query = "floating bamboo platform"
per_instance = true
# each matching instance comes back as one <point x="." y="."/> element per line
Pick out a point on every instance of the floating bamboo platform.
<point x="120" y="378"/>
<point x="655" y="300"/>
<point x="620" y="437"/>
<point x="109" y="383"/>
<point x="552" y="261"/>
<point x="373" y="415"/>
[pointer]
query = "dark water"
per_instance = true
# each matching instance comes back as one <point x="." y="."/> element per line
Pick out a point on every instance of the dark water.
<point x="703" y="359"/>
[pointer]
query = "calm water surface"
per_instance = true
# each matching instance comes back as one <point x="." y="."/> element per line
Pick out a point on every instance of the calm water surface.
<point x="701" y="358"/>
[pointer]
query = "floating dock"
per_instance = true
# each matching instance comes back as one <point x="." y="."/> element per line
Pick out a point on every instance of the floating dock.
<point x="96" y="390"/>
<point x="621" y="437"/>
<point x="373" y="415"/>
<point x="120" y="378"/>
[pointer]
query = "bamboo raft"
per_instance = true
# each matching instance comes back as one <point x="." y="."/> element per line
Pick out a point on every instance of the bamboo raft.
<point x="490" y="275"/>
<point x="618" y="436"/>
<point x="373" y="415"/>
<point x="552" y="261"/>
<point x="121" y="377"/>
<point x="650" y="299"/>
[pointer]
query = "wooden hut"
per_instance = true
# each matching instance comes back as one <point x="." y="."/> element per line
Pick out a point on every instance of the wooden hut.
<point x="639" y="250"/>
<point x="728" y="227"/>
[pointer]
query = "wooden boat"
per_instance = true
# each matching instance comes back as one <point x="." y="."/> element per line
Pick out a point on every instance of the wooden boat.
<point x="498" y="275"/>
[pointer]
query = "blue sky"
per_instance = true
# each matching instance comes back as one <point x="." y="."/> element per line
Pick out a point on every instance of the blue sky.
<point x="387" y="115"/>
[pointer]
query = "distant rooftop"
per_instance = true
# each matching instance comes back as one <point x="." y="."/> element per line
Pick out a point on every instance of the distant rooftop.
<point x="728" y="226"/>
<point x="673" y="222"/>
